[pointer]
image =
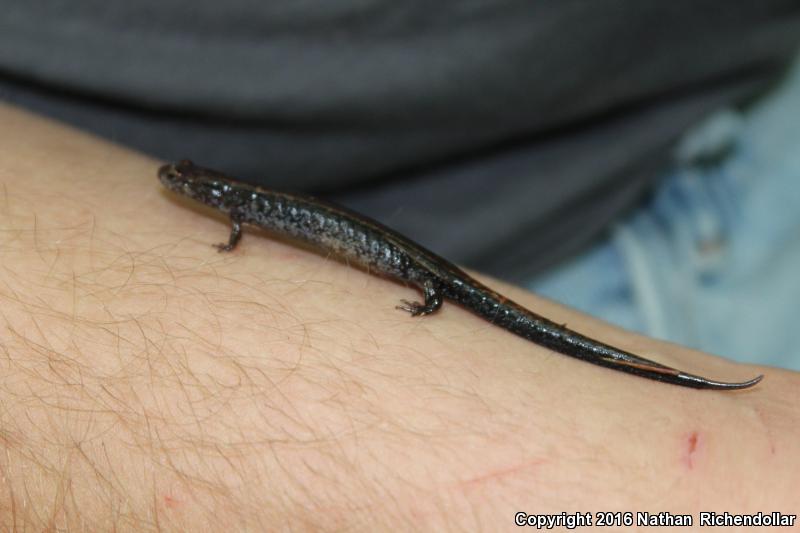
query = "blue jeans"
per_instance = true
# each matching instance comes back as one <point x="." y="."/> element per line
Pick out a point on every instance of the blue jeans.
<point x="712" y="261"/>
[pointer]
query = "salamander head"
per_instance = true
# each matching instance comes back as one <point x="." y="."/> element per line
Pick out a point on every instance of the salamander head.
<point x="203" y="185"/>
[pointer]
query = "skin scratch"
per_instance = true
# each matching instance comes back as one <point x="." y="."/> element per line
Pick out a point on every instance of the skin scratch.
<point x="500" y="474"/>
<point x="693" y="443"/>
<point x="170" y="502"/>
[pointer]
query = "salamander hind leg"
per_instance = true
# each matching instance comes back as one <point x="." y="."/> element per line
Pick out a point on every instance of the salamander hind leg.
<point x="433" y="301"/>
<point x="236" y="235"/>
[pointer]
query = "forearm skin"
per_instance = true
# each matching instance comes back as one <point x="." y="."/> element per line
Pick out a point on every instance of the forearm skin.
<point x="151" y="383"/>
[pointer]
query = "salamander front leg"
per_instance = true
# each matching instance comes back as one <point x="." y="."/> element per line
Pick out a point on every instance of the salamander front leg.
<point x="433" y="301"/>
<point x="236" y="234"/>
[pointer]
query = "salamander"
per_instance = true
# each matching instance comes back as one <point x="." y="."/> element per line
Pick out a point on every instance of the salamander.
<point x="380" y="249"/>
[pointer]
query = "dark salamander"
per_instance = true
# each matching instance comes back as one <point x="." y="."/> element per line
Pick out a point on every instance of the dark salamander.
<point x="357" y="238"/>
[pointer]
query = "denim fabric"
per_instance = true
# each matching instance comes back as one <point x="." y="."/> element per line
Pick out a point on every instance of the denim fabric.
<point x="712" y="260"/>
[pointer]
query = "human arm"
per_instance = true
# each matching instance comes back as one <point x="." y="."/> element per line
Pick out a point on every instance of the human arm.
<point x="150" y="382"/>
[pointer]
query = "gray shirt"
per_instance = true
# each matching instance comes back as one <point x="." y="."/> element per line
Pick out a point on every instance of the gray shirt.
<point x="503" y="134"/>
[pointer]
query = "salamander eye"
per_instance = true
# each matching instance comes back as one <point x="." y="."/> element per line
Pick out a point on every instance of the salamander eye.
<point x="169" y="172"/>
